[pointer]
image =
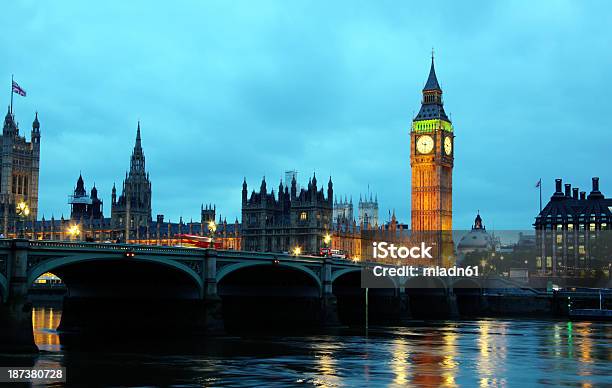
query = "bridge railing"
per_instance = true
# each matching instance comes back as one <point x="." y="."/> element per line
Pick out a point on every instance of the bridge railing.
<point x="166" y="250"/>
<point x="80" y="245"/>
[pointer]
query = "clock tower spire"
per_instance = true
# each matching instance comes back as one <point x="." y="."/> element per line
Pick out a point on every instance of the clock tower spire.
<point x="431" y="161"/>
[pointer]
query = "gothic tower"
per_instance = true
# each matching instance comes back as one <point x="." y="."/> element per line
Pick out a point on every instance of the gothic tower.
<point x="19" y="172"/>
<point x="431" y="160"/>
<point x="131" y="211"/>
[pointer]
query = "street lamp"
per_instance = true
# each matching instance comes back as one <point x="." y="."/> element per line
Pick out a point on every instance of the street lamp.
<point x="212" y="228"/>
<point x="326" y="241"/>
<point x="74" y="231"/>
<point x="297" y="251"/>
<point x="23" y="211"/>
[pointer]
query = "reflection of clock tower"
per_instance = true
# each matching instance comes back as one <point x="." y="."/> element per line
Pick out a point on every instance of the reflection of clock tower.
<point x="431" y="160"/>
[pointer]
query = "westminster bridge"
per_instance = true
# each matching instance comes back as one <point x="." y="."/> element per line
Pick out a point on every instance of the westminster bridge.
<point x="205" y="290"/>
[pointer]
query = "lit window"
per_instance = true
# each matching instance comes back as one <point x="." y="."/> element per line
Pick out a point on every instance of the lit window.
<point x="303" y="216"/>
<point x="592" y="227"/>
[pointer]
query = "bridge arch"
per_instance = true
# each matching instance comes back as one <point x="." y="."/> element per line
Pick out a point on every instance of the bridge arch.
<point x="428" y="297"/>
<point x="351" y="297"/>
<point x="342" y="272"/>
<point x="422" y="282"/>
<point x="266" y="295"/>
<point x="53" y="264"/>
<point x="223" y="272"/>
<point x="468" y="293"/>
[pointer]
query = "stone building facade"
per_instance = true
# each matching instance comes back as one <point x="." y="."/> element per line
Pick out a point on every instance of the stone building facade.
<point x="280" y="223"/>
<point x="368" y="211"/>
<point x="573" y="232"/>
<point x="19" y="172"/>
<point x="343" y="210"/>
<point x="431" y="160"/>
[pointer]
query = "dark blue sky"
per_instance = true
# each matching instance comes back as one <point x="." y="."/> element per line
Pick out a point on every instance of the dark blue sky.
<point x="256" y="88"/>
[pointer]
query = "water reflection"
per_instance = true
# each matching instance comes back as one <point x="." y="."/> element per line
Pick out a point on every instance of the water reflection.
<point x="400" y="361"/>
<point x="45" y="321"/>
<point x="487" y="353"/>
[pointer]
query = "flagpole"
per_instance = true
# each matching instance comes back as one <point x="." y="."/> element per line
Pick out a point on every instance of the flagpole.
<point x="540" y="195"/>
<point x="11" y="93"/>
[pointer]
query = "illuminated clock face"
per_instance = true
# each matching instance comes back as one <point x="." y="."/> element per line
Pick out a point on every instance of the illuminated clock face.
<point x="448" y="145"/>
<point x="425" y="144"/>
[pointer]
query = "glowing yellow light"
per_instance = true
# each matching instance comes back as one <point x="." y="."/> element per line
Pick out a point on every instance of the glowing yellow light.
<point x="212" y="226"/>
<point x="327" y="239"/>
<point x="22" y="209"/>
<point x="297" y="251"/>
<point x="74" y="230"/>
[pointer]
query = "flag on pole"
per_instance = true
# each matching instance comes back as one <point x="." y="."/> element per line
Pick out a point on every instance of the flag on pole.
<point x="17" y="89"/>
<point x="539" y="184"/>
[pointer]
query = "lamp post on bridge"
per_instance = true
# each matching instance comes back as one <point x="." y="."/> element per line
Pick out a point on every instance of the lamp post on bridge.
<point x="212" y="228"/>
<point x="74" y="231"/>
<point x="327" y="244"/>
<point x="23" y="211"/>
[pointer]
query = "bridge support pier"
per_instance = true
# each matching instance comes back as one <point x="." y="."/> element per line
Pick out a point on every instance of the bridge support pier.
<point x="484" y="303"/>
<point x="16" y="334"/>
<point x="329" y="302"/>
<point x="213" y="306"/>
<point x="451" y="301"/>
<point x="404" y="306"/>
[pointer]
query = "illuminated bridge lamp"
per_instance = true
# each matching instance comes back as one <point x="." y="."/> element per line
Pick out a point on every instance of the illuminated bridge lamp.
<point x="212" y="228"/>
<point x="23" y="210"/>
<point x="74" y="231"/>
<point x="327" y="239"/>
<point x="297" y="251"/>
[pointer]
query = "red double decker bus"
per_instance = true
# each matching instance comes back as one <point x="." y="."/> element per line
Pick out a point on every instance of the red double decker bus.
<point x="194" y="241"/>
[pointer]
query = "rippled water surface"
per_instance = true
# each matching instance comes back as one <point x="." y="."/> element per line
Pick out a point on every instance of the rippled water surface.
<point x="487" y="352"/>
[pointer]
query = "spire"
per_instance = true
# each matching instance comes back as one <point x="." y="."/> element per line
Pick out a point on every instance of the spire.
<point x="36" y="123"/>
<point x="80" y="187"/>
<point x="478" y="221"/>
<point x="137" y="163"/>
<point x="138" y="145"/>
<point x="94" y="192"/>
<point x="432" y="80"/>
<point x="432" y="107"/>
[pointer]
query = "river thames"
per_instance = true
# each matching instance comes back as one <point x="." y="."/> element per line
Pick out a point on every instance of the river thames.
<point x="466" y="353"/>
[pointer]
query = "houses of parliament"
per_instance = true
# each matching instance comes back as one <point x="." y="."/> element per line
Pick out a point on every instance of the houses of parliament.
<point x="270" y="222"/>
<point x="130" y="220"/>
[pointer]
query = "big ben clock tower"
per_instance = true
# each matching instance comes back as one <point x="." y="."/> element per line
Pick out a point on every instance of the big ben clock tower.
<point x="431" y="160"/>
